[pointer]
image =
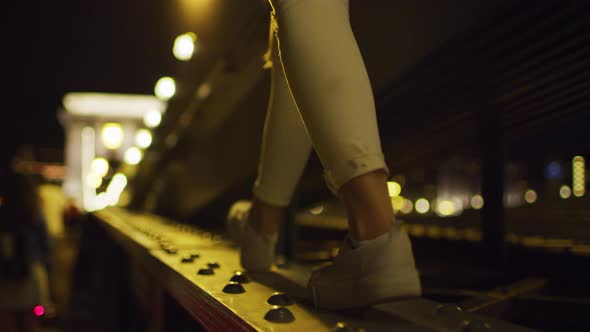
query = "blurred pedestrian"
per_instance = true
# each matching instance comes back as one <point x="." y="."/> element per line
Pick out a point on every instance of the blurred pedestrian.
<point x="24" y="252"/>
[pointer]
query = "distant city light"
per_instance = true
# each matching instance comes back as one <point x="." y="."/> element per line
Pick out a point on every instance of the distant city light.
<point x="114" y="189"/>
<point x="184" y="46"/>
<point x="152" y="119"/>
<point x="397" y="202"/>
<point x="477" y="202"/>
<point x="165" y="88"/>
<point x="143" y="138"/>
<point x="553" y="170"/>
<point x="446" y="208"/>
<point x="101" y="201"/>
<point x="39" y="310"/>
<point x="118" y="183"/>
<point x="394" y="188"/>
<point x="579" y="176"/>
<point x="407" y="207"/>
<point x="422" y="205"/>
<point x="112" y="135"/>
<point x="100" y="166"/>
<point x="133" y="156"/>
<point x="94" y="180"/>
<point x="530" y="196"/>
<point x="565" y="191"/>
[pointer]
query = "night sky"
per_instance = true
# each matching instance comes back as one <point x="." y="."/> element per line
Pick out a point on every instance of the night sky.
<point x="53" y="47"/>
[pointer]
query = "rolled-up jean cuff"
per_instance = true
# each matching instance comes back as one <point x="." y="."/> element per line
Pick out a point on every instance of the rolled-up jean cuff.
<point x="268" y="196"/>
<point x="350" y="169"/>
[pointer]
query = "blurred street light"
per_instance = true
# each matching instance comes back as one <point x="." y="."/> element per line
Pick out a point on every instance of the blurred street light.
<point x="133" y="156"/>
<point x="184" y="46"/>
<point x="143" y="138"/>
<point x="152" y="119"/>
<point x="165" y="88"/>
<point x="112" y="135"/>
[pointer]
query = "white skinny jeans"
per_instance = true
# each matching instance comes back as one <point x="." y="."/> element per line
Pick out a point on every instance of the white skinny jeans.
<point x="320" y="96"/>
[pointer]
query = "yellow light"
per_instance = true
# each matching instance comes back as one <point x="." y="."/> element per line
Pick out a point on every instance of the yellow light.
<point x="317" y="210"/>
<point x="394" y="188"/>
<point x="530" y="196"/>
<point x="112" y="135"/>
<point x="422" y="205"/>
<point x="99" y="166"/>
<point x="117" y="184"/>
<point x="184" y="46"/>
<point x="565" y="191"/>
<point x="133" y="156"/>
<point x="407" y="207"/>
<point x="152" y="119"/>
<point x="579" y="176"/>
<point x="143" y="138"/>
<point x="446" y="208"/>
<point x="101" y="201"/>
<point x="111" y="105"/>
<point x="397" y="202"/>
<point x="165" y="88"/>
<point x="477" y="202"/>
<point x="94" y="180"/>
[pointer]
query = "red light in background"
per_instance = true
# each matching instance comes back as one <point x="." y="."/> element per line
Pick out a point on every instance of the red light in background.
<point x="39" y="310"/>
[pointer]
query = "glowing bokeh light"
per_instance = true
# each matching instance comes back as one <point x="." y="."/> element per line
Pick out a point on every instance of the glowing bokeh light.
<point x="100" y="166"/>
<point x="101" y="201"/>
<point x="446" y="207"/>
<point x="112" y="135"/>
<point x="118" y="183"/>
<point x="393" y="188"/>
<point x="39" y="310"/>
<point x="165" y="88"/>
<point x="143" y="138"/>
<point x="94" y="180"/>
<point x="579" y="176"/>
<point x="397" y="202"/>
<point x="476" y="202"/>
<point x="152" y="119"/>
<point x="565" y="191"/>
<point x="422" y="205"/>
<point x="184" y="46"/>
<point x="530" y="196"/>
<point x="407" y="207"/>
<point x="133" y="156"/>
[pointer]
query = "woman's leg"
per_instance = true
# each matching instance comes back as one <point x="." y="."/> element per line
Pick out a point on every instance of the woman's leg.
<point x="284" y="152"/>
<point x="329" y="81"/>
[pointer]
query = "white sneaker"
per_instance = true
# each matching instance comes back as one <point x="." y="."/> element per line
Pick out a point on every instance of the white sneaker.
<point x="377" y="271"/>
<point x="257" y="252"/>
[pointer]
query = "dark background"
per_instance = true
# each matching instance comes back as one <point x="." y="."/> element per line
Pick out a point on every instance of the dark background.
<point x="54" y="47"/>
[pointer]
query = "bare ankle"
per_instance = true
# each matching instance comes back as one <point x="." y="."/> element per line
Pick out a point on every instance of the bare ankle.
<point x="265" y="218"/>
<point x="368" y="205"/>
